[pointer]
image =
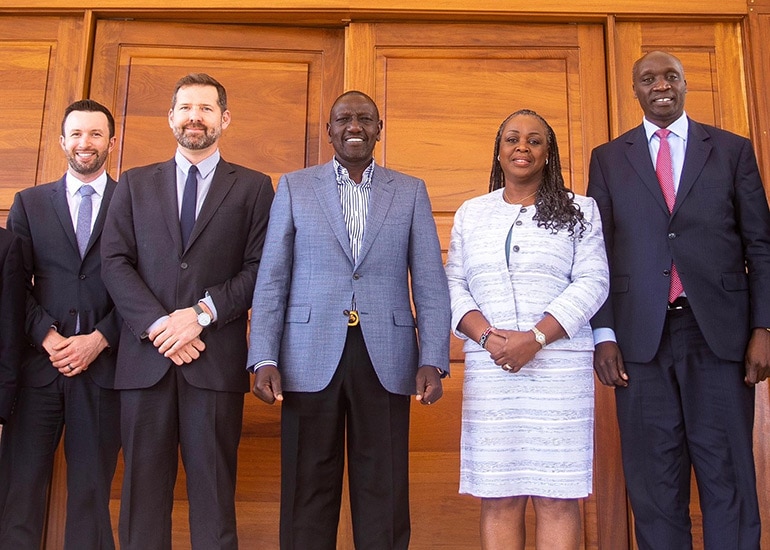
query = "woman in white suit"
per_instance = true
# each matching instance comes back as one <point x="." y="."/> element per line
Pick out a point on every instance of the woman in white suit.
<point x="527" y="270"/>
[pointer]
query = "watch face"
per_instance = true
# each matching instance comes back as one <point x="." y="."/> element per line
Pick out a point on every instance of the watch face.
<point x="204" y="319"/>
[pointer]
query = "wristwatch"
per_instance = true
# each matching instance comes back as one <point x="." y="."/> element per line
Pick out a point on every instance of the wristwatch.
<point x="204" y="319"/>
<point x="539" y="337"/>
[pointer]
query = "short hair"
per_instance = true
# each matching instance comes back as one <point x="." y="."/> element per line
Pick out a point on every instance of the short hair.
<point x="358" y="93"/>
<point x="201" y="79"/>
<point x="89" y="105"/>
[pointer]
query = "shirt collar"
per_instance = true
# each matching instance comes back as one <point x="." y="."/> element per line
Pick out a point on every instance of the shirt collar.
<point x="678" y="127"/>
<point x="343" y="175"/>
<point x="205" y="167"/>
<point x="74" y="184"/>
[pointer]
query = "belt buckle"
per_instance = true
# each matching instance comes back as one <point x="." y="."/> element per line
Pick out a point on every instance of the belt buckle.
<point x="353" y="318"/>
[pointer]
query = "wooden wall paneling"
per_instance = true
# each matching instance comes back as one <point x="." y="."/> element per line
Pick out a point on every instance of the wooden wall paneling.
<point x="280" y="83"/>
<point x="39" y="76"/>
<point x="712" y="55"/>
<point x="443" y="90"/>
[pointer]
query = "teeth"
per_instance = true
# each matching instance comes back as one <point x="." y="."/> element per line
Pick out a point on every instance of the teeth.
<point x="355" y="139"/>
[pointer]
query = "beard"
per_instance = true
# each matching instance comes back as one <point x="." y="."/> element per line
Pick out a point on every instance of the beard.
<point x="197" y="142"/>
<point x="86" y="167"/>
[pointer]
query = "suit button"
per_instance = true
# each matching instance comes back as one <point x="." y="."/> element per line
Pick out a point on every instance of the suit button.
<point x="81" y="277"/>
<point x="672" y="235"/>
<point x="518" y="222"/>
<point x="73" y="312"/>
<point x="356" y="276"/>
<point x="346" y="312"/>
<point x="666" y="272"/>
<point x="184" y="265"/>
<point x="516" y="248"/>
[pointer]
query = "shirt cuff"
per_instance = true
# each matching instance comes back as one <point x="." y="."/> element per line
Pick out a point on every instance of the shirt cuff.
<point x="253" y="368"/>
<point x="604" y="334"/>
<point x="210" y="303"/>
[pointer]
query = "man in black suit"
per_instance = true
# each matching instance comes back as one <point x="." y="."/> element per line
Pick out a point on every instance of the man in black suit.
<point x="684" y="335"/>
<point x="181" y="248"/>
<point x="11" y="319"/>
<point x="67" y="373"/>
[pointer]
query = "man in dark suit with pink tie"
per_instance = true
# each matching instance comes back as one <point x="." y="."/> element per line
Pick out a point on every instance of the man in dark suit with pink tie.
<point x="684" y="335"/>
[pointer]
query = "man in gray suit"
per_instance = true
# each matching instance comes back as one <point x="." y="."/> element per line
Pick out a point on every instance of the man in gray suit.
<point x="333" y="335"/>
<point x="181" y="249"/>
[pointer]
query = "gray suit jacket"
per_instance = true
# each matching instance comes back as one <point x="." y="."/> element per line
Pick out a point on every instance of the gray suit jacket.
<point x="150" y="274"/>
<point x="308" y="278"/>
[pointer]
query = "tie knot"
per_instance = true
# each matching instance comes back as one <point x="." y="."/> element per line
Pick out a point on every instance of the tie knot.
<point x="193" y="171"/>
<point x="663" y="133"/>
<point x="86" y="191"/>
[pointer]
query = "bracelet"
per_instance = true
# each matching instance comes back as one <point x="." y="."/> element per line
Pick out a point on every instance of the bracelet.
<point x="484" y="336"/>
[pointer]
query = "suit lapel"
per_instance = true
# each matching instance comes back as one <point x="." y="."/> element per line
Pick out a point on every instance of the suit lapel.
<point x="382" y="193"/>
<point x="62" y="209"/>
<point x="224" y="179"/>
<point x="638" y="154"/>
<point x="165" y="184"/>
<point x="325" y="187"/>
<point x="695" y="156"/>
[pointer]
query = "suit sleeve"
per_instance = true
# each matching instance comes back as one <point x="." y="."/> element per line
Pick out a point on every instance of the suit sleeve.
<point x="37" y="320"/>
<point x="12" y="292"/>
<point x="754" y="227"/>
<point x="599" y="191"/>
<point x="137" y="304"/>
<point x="271" y="293"/>
<point x="429" y="285"/>
<point x="233" y="297"/>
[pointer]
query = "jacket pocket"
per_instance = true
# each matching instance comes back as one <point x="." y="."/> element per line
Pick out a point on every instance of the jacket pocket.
<point x="403" y="318"/>
<point x="619" y="284"/>
<point x="735" y="281"/>
<point x="298" y="314"/>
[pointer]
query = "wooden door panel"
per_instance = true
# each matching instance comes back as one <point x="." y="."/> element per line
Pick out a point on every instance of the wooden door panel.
<point x="443" y="90"/>
<point x="280" y="85"/>
<point x="38" y="79"/>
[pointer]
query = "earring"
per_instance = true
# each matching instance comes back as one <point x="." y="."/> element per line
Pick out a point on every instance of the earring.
<point x="498" y="158"/>
<point x="546" y="161"/>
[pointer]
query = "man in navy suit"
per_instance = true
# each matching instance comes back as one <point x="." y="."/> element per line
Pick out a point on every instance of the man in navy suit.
<point x="334" y="337"/>
<point x="684" y="335"/>
<point x="11" y="319"/>
<point x="68" y="370"/>
<point x="181" y="247"/>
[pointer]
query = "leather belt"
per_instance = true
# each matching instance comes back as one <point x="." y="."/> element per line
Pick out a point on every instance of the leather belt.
<point x="678" y="304"/>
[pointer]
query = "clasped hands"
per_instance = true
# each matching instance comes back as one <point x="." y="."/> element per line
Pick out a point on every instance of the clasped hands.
<point x="511" y="349"/>
<point x="178" y="337"/>
<point x="72" y="356"/>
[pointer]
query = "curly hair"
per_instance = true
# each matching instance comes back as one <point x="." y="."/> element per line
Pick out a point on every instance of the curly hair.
<point x="554" y="202"/>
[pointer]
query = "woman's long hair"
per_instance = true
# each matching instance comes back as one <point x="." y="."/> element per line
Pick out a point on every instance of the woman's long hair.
<point x="554" y="202"/>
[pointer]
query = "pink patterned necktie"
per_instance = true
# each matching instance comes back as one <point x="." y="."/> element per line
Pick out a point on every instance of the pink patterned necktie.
<point x="665" y="172"/>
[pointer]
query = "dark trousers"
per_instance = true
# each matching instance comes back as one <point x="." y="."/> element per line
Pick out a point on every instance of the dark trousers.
<point x="687" y="407"/>
<point x="157" y="423"/>
<point x="89" y="417"/>
<point x="314" y="426"/>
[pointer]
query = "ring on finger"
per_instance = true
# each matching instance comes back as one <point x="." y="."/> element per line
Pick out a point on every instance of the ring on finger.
<point x="70" y="368"/>
<point x="507" y="368"/>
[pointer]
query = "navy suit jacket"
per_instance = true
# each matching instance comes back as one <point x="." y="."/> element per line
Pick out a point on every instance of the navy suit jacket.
<point x="150" y="274"/>
<point x="64" y="284"/>
<point x="11" y="318"/>
<point x="308" y="278"/>
<point x="718" y="235"/>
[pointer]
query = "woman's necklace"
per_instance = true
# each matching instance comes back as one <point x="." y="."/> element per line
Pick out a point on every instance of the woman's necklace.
<point x="521" y="200"/>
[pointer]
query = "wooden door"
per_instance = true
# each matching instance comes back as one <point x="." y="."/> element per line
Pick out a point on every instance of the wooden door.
<point x="712" y="56"/>
<point x="443" y="90"/>
<point x="39" y="75"/>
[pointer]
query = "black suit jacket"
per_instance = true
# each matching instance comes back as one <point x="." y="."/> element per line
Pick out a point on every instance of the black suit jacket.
<point x="64" y="284"/>
<point x="11" y="318"/>
<point x="718" y="235"/>
<point x="150" y="274"/>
